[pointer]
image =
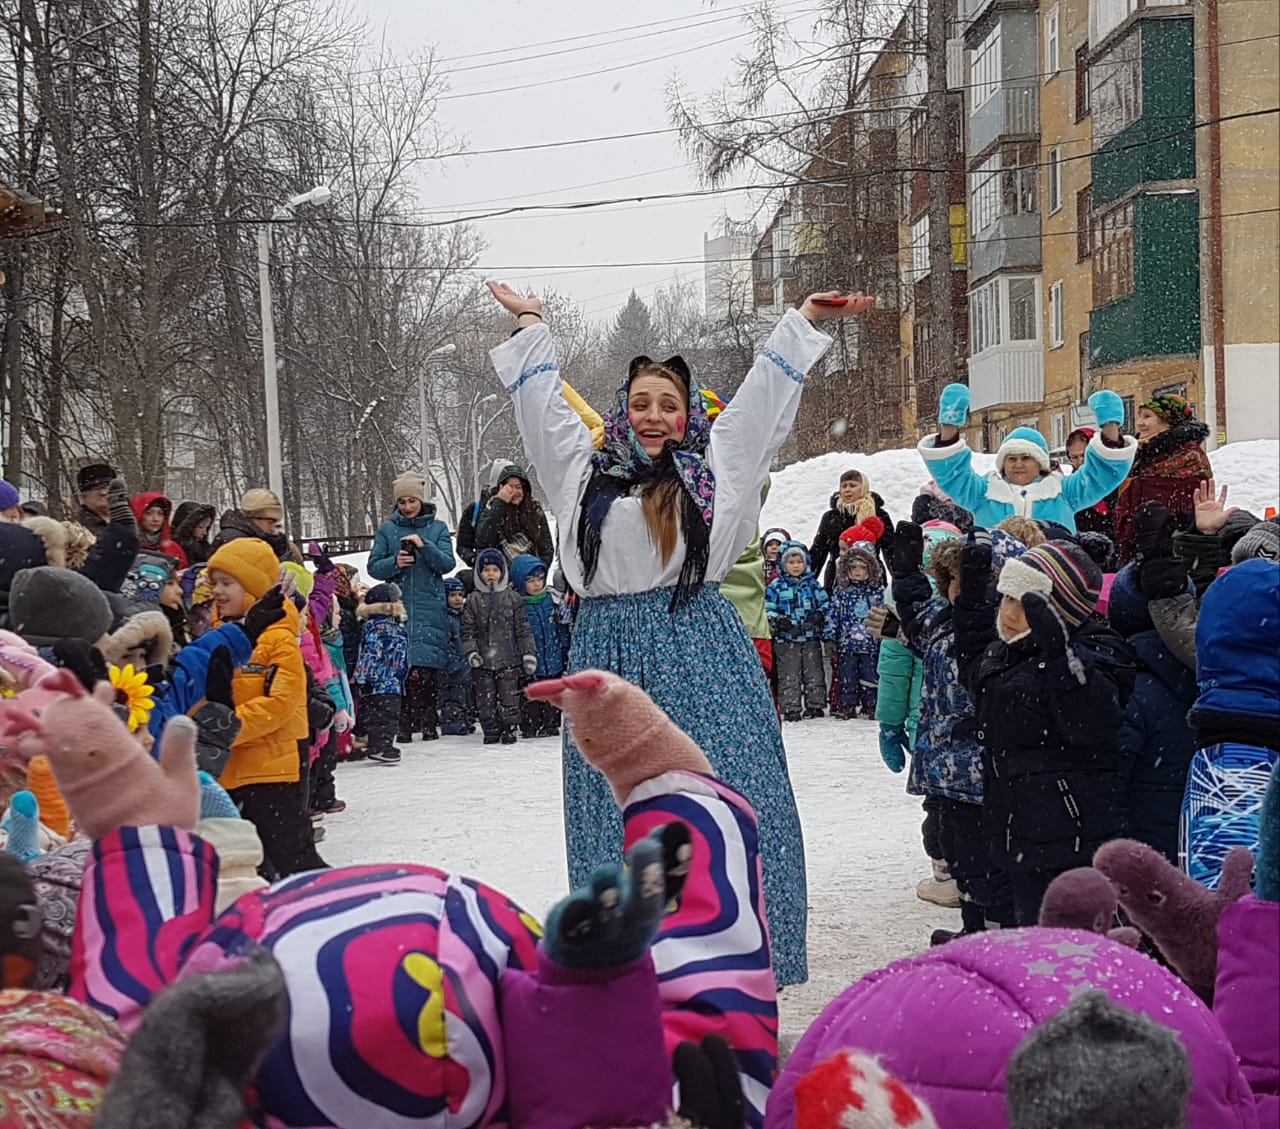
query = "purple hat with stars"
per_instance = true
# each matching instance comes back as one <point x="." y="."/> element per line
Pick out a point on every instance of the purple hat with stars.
<point x="947" y="1022"/>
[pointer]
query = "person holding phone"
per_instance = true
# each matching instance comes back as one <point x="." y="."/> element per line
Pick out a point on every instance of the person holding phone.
<point x="413" y="549"/>
<point x="648" y="527"/>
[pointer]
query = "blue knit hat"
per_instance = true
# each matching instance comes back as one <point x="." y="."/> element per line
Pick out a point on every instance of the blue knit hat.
<point x="384" y="593"/>
<point x="8" y="495"/>
<point x="453" y="584"/>
<point x="1024" y="441"/>
<point x="1127" y="609"/>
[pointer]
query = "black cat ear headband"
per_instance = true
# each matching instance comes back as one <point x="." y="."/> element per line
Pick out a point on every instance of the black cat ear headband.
<point x="676" y="364"/>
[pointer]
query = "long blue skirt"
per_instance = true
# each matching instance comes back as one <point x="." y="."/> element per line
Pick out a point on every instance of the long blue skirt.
<point x="699" y="666"/>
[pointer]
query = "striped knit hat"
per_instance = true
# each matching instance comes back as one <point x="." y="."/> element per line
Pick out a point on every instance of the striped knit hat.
<point x="1061" y="572"/>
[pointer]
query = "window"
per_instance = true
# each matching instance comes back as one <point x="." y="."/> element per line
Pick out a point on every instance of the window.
<point x="1005" y="184"/>
<point x="984" y="69"/>
<point x="1059" y="430"/>
<point x="1130" y="418"/>
<point x="908" y="380"/>
<point x="920" y="248"/>
<point x="1113" y="254"/>
<point x="1055" y="179"/>
<point x="1082" y="81"/>
<point x="1024" y="310"/>
<point x="762" y="264"/>
<point x="1051" y="48"/>
<point x="1084" y="228"/>
<point x="1003" y="311"/>
<point x="1056" y="335"/>
<point x="1115" y="95"/>
<point x="924" y="346"/>
<point x="919" y="137"/>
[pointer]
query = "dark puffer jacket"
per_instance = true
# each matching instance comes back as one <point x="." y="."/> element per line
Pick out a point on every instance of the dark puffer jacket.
<point x="186" y="518"/>
<point x="1158" y="741"/>
<point x="514" y="529"/>
<point x="234" y="524"/>
<point x="1054" y="772"/>
<point x="825" y="549"/>
<point x="494" y="623"/>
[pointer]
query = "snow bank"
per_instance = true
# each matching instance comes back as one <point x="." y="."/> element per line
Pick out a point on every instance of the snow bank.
<point x="802" y="491"/>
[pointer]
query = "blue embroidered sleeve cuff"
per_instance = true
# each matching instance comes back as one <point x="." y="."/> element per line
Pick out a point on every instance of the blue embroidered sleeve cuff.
<point x="790" y="370"/>
<point x="530" y="373"/>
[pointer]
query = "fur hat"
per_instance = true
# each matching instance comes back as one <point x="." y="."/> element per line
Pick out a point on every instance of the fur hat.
<point x="19" y="549"/>
<point x="410" y="485"/>
<point x="1263" y="540"/>
<point x="384" y="593"/>
<point x="869" y="531"/>
<point x="9" y="496"/>
<point x="66" y="543"/>
<point x="261" y="503"/>
<point x="859" y="552"/>
<point x="252" y="562"/>
<point x="48" y="603"/>
<point x="94" y="477"/>
<point x="1064" y="574"/>
<point x="1096" y="1063"/>
<point x="146" y="630"/>
<point x="1025" y="529"/>
<point x="1024" y="441"/>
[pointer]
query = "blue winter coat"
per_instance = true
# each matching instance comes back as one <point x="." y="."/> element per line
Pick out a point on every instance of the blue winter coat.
<point x="384" y="654"/>
<point x="847" y="617"/>
<point x="1156" y="735"/>
<point x="186" y="685"/>
<point x="801" y="600"/>
<point x="545" y="620"/>
<point x="421" y="584"/>
<point x="1052" y="497"/>
<point x="947" y="759"/>
<point x="457" y="663"/>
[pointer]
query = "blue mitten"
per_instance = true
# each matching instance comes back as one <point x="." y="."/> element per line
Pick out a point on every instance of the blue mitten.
<point x="894" y="744"/>
<point x="23" y="821"/>
<point x="953" y="405"/>
<point x="614" y="919"/>
<point x="214" y="801"/>
<point x="1107" y="407"/>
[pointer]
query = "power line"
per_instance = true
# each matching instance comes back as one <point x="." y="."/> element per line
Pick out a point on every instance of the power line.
<point x="581" y="205"/>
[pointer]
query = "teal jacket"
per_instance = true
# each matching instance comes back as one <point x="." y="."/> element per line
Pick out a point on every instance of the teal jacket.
<point x="421" y="584"/>
<point x="898" y="698"/>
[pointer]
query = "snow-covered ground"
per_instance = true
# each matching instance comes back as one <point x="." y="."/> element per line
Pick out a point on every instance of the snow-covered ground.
<point x="494" y="813"/>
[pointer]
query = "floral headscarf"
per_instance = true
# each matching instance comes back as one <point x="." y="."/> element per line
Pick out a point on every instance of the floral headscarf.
<point x="622" y="463"/>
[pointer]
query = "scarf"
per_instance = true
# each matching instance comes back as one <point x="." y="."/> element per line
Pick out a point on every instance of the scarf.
<point x="1175" y="453"/>
<point x="621" y="467"/>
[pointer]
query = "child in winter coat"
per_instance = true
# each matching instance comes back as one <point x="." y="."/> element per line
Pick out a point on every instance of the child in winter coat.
<point x="796" y="605"/>
<point x="1050" y="694"/>
<point x="859" y="588"/>
<point x="499" y="646"/>
<point x="772" y="541"/>
<point x="382" y="669"/>
<point x="269" y="692"/>
<point x="540" y="718"/>
<point x="456" y="692"/>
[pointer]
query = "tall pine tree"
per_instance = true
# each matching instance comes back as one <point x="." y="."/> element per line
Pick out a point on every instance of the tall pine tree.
<point x="632" y="333"/>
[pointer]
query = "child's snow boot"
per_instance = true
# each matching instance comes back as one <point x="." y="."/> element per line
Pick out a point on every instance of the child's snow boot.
<point x="509" y="737"/>
<point x="939" y="888"/>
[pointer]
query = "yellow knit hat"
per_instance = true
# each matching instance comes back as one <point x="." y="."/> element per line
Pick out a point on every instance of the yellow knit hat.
<point x="251" y="562"/>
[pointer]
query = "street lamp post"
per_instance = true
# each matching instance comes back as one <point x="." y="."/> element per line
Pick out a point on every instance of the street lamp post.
<point x="270" y="389"/>
<point x="423" y="438"/>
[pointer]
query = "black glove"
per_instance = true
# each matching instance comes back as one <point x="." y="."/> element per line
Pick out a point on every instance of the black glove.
<point x="82" y="659"/>
<point x="268" y="610"/>
<point x="216" y="729"/>
<point x="814" y="621"/>
<point x="217" y="682"/>
<point x="783" y="624"/>
<point x="908" y="549"/>
<point x="1162" y="578"/>
<point x="975" y="569"/>
<point x="320" y="710"/>
<point x="1153" y="530"/>
<point x="118" y="505"/>
<point x="1047" y="626"/>
<point x="710" y="1088"/>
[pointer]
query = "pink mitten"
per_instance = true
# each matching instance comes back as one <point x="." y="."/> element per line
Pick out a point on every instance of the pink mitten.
<point x="1084" y="899"/>
<point x="105" y="775"/>
<point x="1172" y="908"/>
<point x="620" y="729"/>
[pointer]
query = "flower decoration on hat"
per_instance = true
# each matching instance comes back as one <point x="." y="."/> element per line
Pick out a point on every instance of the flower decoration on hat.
<point x="134" y="695"/>
<point x="1170" y="407"/>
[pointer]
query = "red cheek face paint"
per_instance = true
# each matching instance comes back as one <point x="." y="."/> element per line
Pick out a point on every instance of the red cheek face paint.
<point x="680" y="422"/>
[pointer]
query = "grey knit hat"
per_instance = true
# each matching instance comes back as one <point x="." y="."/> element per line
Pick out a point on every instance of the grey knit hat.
<point x="1099" y="1065"/>
<point x="46" y="604"/>
<point x="1263" y="540"/>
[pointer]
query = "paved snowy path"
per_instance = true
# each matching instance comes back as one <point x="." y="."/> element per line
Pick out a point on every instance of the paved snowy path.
<point x="493" y="813"/>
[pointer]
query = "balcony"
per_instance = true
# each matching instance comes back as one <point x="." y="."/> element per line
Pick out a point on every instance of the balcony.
<point x="971" y="11"/>
<point x="1107" y="15"/>
<point x="1011" y="243"/>
<point x="1013" y="111"/>
<point x="1007" y="374"/>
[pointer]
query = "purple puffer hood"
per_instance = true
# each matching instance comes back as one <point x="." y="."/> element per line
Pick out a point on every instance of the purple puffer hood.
<point x="946" y="1022"/>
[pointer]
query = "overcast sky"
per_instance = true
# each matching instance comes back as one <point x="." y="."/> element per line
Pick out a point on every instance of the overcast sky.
<point x="690" y="37"/>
